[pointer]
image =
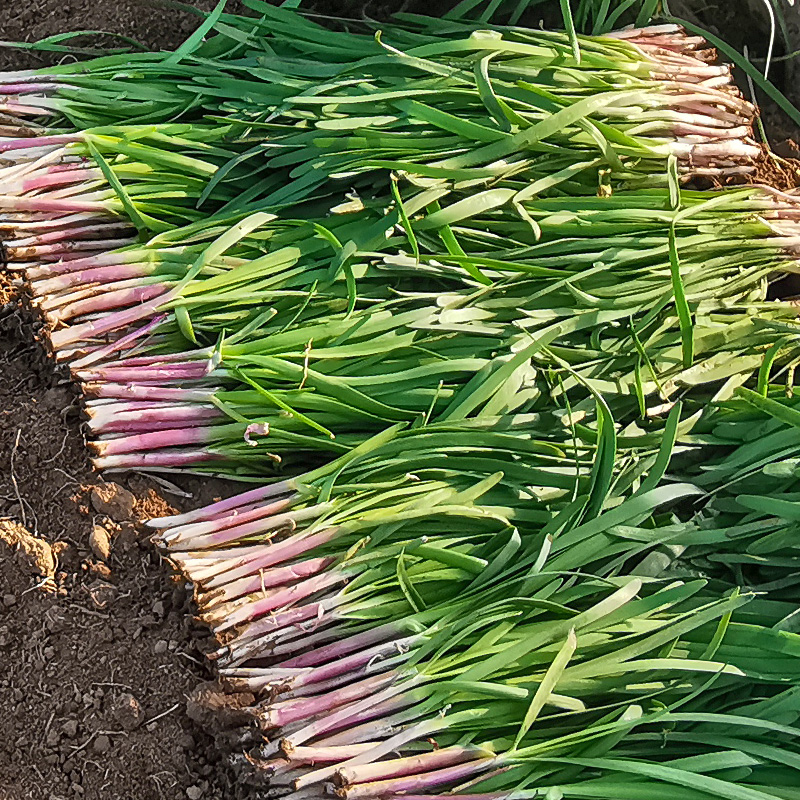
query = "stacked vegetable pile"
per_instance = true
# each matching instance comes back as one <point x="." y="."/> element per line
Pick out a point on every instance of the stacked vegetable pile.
<point x="506" y="379"/>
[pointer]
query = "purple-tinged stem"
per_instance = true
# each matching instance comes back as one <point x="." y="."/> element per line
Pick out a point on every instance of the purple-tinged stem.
<point x="253" y="637"/>
<point x="155" y="373"/>
<point x="53" y="205"/>
<point x="130" y="391"/>
<point x="475" y="796"/>
<point x="238" y="516"/>
<point x="260" y="527"/>
<point x="107" y="301"/>
<point x="356" y="661"/>
<point x="38" y="107"/>
<point x="323" y="755"/>
<point x="275" y="553"/>
<point x="157" y="440"/>
<point x="223" y="617"/>
<point x="276" y="715"/>
<point x="100" y="230"/>
<point x="208" y="562"/>
<point x="340" y="680"/>
<point x="352" y="711"/>
<point x="420" y="730"/>
<point x="109" y="323"/>
<point x="243" y="649"/>
<point x="215" y="510"/>
<point x="416" y="783"/>
<point x="28" y="88"/>
<point x="166" y="358"/>
<point x="53" y="222"/>
<point x="291" y="644"/>
<point x="343" y="647"/>
<point x="88" y="262"/>
<point x="123" y="343"/>
<point x="57" y="251"/>
<point x="61" y="299"/>
<point x="266" y="579"/>
<point x="410" y="765"/>
<point x="203" y="570"/>
<point x="56" y="301"/>
<point x="56" y="177"/>
<point x="39" y="141"/>
<point x="378" y="723"/>
<point x="151" y="417"/>
<point x="175" y="458"/>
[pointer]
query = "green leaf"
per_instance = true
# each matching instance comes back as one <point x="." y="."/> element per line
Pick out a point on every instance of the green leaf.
<point x="406" y="222"/>
<point x="681" y="306"/>
<point x="127" y="204"/>
<point x="194" y="41"/>
<point x="769" y="406"/>
<point x="669" y="436"/>
<point x="670" y="775"/>
<point x="548" y="684"/>
<point x="409" y="592"/>
<point x="569" y="26"/>
<point x="185" y="323"/>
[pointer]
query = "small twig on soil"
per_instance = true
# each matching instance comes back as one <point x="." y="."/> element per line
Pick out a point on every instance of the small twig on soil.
<point x="61" y="450"/>
<point x="46" y="583"/>
<point x="19" y="383"/>
<point x="191" y="658"/>
<point x="112" y="683"/>
<point x="64" y="472"/>
<point x="156" y="780"/>
<point x="80" y="747"/>
<point x="89" y="611"/>
<point x="60" y="489"/>
<point x="14" y="479"/>
<point x="49" y="723"/>
<point x="162" y="714"/>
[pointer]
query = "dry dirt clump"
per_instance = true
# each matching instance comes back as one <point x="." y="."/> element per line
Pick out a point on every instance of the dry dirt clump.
<point x="32" y="554"/>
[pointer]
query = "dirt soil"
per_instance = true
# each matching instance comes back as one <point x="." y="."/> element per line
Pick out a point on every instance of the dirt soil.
<point x="98" y="650"/>
<point x="144" y="20"/>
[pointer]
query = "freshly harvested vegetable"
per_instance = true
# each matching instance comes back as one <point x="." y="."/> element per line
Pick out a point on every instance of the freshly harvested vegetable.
<point x="440" y="103"/>
<point x="514" y="383"/>
<point x="442" y="634"/>
<point x="499" y="324"/>
<point x="492" y="91"/>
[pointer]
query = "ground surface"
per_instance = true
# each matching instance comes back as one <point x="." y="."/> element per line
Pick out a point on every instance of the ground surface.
<point x="98" y="656"/>
<point x="91" y="658"/>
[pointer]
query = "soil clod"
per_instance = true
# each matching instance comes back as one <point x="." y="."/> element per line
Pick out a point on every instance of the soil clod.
<point x="100" y="542"/>
<point x="114" y="501"/>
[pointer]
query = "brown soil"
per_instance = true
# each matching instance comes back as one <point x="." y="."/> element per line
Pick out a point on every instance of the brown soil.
<point x="93" y="650"/>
